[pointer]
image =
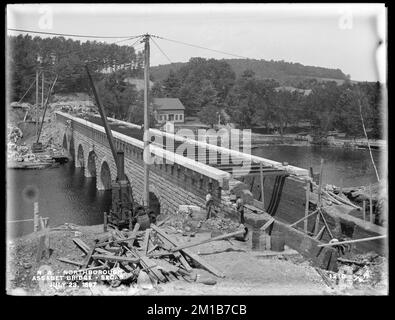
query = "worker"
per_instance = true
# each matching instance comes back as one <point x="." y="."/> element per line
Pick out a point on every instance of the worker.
<point x="240" y="208"/>
<point x="209" y="204"/>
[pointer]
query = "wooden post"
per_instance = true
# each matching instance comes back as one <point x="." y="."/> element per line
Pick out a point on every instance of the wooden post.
<point x="35" y="216"/>
<point x="146" y="116"/>
<point x="262" y="190"/>
<point x="36" y="109"/>
<point x="105" y="222"/>
<point x="364" y="210"/>
<point x="341" y="186"/>
<point x="370" y="204"/>
<point x="312" y="177"/>
<point x="319" y="204"/>
<point x="306" y="210"/>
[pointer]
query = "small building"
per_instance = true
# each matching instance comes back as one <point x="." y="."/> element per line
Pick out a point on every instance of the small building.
<point x="168" y="109"/>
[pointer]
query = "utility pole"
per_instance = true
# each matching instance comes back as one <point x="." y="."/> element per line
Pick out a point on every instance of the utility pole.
<point x="146" y="116"/>
<point x="36" y="108"/>
<point x="42" y="90"/>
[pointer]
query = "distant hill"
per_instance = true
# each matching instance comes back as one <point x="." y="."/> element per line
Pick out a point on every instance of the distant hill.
<point x="284" y="72"/>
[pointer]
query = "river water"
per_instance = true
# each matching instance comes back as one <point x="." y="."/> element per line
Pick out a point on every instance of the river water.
<point x="65" y="195"/>
<point x="346" y="167"/>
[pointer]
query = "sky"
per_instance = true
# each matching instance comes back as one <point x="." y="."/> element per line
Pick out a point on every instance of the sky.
<point x="343" y="36"/>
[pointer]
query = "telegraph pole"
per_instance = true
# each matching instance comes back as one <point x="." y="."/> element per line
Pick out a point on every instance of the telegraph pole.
<point x="42" y="90"/>
<point x="36" y="108"/>
<point x="146" y="116"/>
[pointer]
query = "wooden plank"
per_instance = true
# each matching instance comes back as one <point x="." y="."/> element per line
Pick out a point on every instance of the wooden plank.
<point x="262" y="189"/>
<point x="370" y="204"/>
<point x="319" y="234"/>
<point x="88" y="258"/>
<point x="304" y="218"/>
<point x="147" y="263"/>
<point x="221" y="237"/>
<point x="163" y="221"/>
<point x="152" y="249"/>
<point x="177" y="255"/>
<point x="81" y="245"/>
<point x="115" y="258"/>
<point x="191" y="255"/>
<point x="146" y="241"/>
<point x="65" y="260"/>
<point x="326" y="224"/>
<point x="267" y="224"/>
<point x="306" y="212"/>
<point x="42" y="223"/>
<point x="103" y="251"/>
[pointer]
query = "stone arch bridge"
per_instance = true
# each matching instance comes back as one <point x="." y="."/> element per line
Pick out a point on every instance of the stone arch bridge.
<point x="179" y="181"/>
<point x="185" y="181"/>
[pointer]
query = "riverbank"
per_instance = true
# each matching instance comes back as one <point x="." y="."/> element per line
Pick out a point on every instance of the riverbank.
<point x="261" y="140"/>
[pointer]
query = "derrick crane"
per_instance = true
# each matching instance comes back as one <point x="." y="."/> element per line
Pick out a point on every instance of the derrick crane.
<point x="124" y="212"/>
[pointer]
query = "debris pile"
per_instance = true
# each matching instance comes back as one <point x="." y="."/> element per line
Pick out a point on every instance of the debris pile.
<point x="191" y="219"/>
<point x="359" y="271"/>
<point x="145" y="258"/>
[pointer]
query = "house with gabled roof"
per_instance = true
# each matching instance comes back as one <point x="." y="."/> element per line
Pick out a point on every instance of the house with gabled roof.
<point x="168" y="109"/>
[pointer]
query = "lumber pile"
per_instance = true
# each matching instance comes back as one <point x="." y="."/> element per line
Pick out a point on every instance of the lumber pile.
<point x="151" y="254"/>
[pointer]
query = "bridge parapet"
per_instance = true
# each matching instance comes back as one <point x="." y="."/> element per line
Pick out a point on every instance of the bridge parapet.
<point x="297" y="172"/>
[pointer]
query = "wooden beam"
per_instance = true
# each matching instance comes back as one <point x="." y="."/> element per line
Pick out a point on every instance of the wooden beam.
<point x="267" y="224"/>
<point x="146" y="241"/>
<point x="65" y="260"/>
<point x="82" y="245"/>
<point x="304" y="218"/>
<point x="88" y="258"/>
<point x="298" y="240"/>
<point x="221" y="237"/>
<point x="351" y="241"/>
<point x="319" y="234"/>
<point x="187" y="252"/>
<point x="115" y="258"/>
<point x="370" y="204"/>
<point x="262" y="189"/>
<point x="306" y="212"/>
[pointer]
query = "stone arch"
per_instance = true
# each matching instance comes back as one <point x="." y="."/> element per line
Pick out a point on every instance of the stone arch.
<point x="80" y="160"/>
<point x="104" y="180"/>
<point x="90" y="168"/>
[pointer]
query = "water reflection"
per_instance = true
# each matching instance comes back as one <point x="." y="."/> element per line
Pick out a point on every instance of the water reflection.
<point x="64" y="195"/>
<point x="347" y="166"/>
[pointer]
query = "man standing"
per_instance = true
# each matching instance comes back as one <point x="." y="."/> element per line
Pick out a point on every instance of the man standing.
<point x="240" y="208"/>
<point x="209" y="204"/>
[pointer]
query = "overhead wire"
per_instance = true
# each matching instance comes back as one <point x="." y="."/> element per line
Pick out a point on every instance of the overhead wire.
<point x="200" y="47"/>
<point x="161" y="50"/>
<point x="31" y="85"/>
<point x="73" y="35"/>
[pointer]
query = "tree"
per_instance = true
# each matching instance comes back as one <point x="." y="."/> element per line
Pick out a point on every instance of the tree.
<point x="250" y="100"/>
<point x="209" y="115"/>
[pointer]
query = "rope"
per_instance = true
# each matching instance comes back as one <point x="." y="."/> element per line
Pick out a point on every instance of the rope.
<point x="31" y="85"/>
<point x="367" y="139"/>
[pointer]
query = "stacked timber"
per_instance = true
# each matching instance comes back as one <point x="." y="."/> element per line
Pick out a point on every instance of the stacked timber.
<point x="152" y="254"/>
